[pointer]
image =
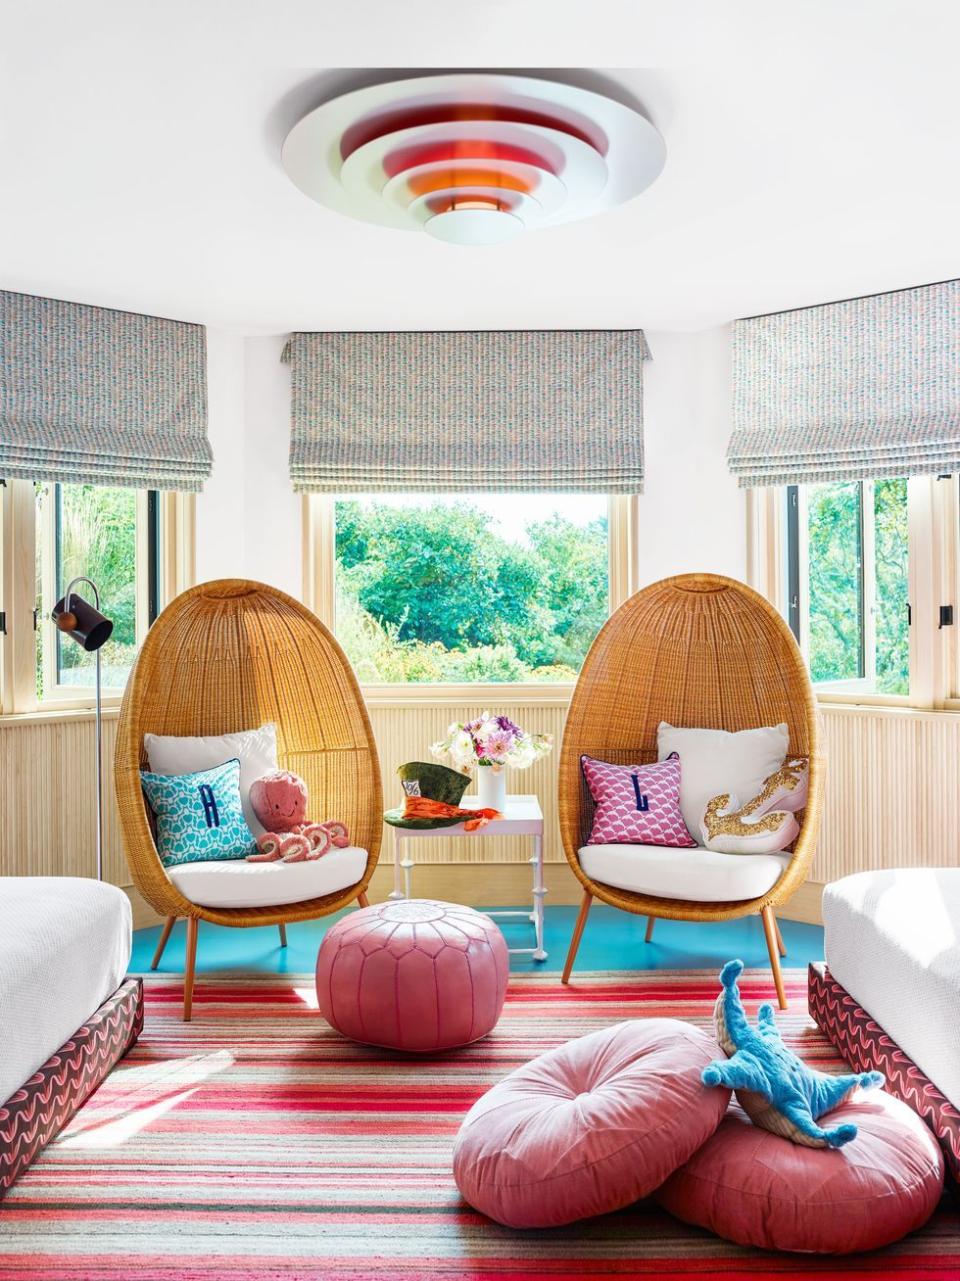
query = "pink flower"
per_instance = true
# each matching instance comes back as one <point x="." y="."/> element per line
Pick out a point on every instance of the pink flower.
<point x="497" y="745"/>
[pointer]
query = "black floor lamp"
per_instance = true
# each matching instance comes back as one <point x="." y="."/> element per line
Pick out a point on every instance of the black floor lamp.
<point x="84" y="623"/>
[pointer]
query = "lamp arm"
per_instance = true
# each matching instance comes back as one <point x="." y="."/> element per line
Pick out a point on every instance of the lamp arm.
<point x="81" y="578"/>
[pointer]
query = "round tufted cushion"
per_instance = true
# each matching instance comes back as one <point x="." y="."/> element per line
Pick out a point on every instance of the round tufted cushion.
<point x="756" y="1188"/>
<point x="413" y="975"/>
<point x="590" y="1126"/>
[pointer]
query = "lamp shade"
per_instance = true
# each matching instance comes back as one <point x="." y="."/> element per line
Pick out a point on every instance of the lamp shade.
<point x="82" y="622"/>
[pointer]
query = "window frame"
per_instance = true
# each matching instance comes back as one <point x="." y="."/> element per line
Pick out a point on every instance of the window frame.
<point x="933" y="559"/>
<point x="172" y="572"/>
<point x="319" y="594"/>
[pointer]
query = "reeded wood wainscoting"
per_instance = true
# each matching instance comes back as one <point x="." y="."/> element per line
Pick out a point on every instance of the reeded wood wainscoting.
<point x="893" y="800"/>
<point x="47" y="797"/>
<point x="893" y="794"/>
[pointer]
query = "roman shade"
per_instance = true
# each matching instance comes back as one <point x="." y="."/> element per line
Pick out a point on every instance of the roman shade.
<point x="865" y="388"/>
<point x="492" y="410"/>
<point x="98" y="396"/>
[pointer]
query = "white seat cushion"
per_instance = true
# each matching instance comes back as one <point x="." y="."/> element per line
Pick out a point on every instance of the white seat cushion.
<point x="703" y="876"/>
<point x="892" y="939"/>
<point x="237" y="883"/>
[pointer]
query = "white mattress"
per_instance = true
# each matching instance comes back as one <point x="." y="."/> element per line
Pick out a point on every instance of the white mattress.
<point x="236" y="883"/>
<point x="64" y="948"/>
<point x="892" y="939"/>
<point x="704" y="875"/>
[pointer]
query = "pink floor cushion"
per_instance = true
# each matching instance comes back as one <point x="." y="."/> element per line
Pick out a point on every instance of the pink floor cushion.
<point x="413" y="975"/>
<point x="756" y="1188"/>
<point x="590" y="1126"/>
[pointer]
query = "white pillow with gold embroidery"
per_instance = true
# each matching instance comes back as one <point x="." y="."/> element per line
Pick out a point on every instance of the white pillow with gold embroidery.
<point x="766" y="824"/>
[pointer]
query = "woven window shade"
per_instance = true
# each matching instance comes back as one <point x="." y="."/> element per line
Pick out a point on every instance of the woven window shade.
<point x="851" y="390"/>
<point x="492" y="410"/>
<point x="90" y="395"/>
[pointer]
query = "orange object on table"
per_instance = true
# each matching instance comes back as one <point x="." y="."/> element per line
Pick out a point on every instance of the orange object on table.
<point x="424" y="807"/>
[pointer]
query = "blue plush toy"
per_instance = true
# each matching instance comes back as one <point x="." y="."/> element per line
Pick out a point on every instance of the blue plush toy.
<point x="775" y="1088"/>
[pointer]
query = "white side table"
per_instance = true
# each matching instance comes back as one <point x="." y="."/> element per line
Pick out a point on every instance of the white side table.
<point x="522" y="817"/>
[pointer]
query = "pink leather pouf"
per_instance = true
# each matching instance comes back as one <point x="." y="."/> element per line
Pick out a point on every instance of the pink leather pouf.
<point x="590" y="1126"/>
<point x="758" y="1189"/>
<point x="414" y="975"/>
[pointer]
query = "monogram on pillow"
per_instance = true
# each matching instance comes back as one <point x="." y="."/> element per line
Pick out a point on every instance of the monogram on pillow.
<point x="636" y="804"/>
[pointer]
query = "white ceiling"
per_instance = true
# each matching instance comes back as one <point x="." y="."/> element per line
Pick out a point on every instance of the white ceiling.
<point x="812" y="154"/>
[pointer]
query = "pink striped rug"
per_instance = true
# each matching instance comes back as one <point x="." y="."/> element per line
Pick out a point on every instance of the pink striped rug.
<point x="257" y="1143"/>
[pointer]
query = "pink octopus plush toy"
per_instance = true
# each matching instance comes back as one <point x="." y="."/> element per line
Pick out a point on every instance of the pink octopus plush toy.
<point x="279" y="800"/>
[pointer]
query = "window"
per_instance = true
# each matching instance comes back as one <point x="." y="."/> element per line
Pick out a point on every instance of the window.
<point x="470" y="587"/>
<point x="111" y="536"/>
<point x="867" y="575"/>
<point x="848" y="591"/>
<point x="130" y="542"/>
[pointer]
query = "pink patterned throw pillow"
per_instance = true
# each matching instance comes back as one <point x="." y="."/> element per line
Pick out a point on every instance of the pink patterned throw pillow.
<point x="636" y="804"/>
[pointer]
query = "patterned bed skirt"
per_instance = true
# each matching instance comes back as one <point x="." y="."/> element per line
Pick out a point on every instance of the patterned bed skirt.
<point x="43" y="1105"/>
<point x="866" y="1047"/>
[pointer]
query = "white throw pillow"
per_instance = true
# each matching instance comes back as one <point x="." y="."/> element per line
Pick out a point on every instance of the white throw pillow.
<point x="255" y="749"/>
<point x="716" y="760"/>
<point x="766" y="823"/>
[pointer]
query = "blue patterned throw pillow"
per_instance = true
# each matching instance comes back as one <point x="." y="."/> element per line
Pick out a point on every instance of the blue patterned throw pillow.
<point x="199" y="816"/>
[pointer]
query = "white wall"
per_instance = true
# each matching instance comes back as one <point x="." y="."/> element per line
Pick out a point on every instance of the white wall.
<point x="691" y="516"/>
<point x="273" y="511"/>
<point x="248" y="518"/>
<point x="221" y="516"/>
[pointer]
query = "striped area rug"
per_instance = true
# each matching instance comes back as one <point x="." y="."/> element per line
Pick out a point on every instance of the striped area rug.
<point x="257" y="1143"/>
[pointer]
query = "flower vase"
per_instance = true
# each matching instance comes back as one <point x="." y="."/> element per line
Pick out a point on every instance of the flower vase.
<point x="492" y="787"/>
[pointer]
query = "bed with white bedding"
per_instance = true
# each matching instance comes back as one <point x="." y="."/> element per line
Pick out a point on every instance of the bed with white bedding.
<point x="66" y="1013"/>
<point x="892" y="939"/>
<point x="889" y="993"/>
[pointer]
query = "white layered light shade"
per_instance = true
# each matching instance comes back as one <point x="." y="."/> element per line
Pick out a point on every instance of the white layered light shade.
<point x="472" y="159"/>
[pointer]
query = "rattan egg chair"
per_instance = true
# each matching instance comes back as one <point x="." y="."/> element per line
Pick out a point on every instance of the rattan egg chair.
<point x="702" y="651"/>
<point x="228" y="656"/>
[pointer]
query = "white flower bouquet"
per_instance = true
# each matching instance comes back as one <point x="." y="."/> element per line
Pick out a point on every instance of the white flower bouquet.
<point x="491" y="740"/>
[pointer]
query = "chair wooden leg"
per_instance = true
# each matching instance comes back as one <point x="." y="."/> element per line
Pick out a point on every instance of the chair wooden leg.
<point x="164" y="935"/>
<point x="283" y="934"/>
<point x="770" y="930"/>
<point x="781" y="946"/>
<point x="577" y="935"/>
<point x="649" y="934"/>
<point x="362" y="899"/>
<point x="193" y="926"/>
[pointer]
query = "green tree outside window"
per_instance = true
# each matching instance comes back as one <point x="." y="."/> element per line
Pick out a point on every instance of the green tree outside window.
<point x="437" y="592"/>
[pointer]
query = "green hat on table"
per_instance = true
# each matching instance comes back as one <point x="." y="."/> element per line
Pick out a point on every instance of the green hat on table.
<point x="437" y="783"/>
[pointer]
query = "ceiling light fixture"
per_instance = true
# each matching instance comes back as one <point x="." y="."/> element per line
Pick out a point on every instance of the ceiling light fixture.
<point x="472" y="159"/>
